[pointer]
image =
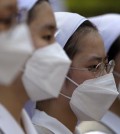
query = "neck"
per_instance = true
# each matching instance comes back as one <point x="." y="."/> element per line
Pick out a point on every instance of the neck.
<point x="60" y="109"/>
<point x="13" y="97"/>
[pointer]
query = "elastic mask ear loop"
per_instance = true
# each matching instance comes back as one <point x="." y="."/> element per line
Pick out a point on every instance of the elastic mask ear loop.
<point x="73" y="83"/>
<point x="65" y="96"/>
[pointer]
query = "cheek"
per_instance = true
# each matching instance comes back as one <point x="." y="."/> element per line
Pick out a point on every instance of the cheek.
<point x="117" y="69"/>
<point x="117" y="80"/>
<point x="38" y="42"/>
<point x="80" y="76"/>
<point x="117" y="66"/>
<point x="117" y="63"/>
<point x="4" y="27"/>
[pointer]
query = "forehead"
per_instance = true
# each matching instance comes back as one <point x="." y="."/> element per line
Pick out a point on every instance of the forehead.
<point x="44" y="15"/>
<point x="7" y="6"/>
<point x="91" y="45"/>
<point x="6" y="3"/>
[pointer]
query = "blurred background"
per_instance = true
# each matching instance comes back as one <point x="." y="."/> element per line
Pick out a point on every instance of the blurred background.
<point x="87" y="7"/>
<point x="93" y="7"/>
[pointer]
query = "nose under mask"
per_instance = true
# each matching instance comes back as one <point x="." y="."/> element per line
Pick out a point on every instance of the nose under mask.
<point x="91" y="99"/>
<point x="45" y="72"/>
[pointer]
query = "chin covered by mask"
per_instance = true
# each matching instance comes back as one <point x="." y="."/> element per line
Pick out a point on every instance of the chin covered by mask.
<point x="91" y="99"/>
<point x="15" y="49"/>
<point x="45" y="72"/>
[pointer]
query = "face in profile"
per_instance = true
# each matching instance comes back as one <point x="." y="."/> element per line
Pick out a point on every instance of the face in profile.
<point x="8" y="12"/>
<point x="43" y="25"/>
<point x="117" y="69"/>
<point x="91" y="54"/>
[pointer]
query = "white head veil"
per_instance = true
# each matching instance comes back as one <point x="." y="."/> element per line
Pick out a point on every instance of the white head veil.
<point x="67" y="24"/>
<point x="26" y="4"/>
<point x="109" y="28"/>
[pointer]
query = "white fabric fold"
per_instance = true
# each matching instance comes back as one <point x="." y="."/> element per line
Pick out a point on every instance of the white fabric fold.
<point x="26" y="4"/>
<point x="94" y="97"/>
<point x="45" y="72"/>
<point x="41" y="119"/>
<point x="67" y="24"/>
<point x="108" y="26"/>
<point x="15" y="48"/>
<point x="7" y="123"/>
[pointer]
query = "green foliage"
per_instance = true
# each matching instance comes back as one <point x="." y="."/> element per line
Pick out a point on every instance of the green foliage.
<point x="94" y="7"/>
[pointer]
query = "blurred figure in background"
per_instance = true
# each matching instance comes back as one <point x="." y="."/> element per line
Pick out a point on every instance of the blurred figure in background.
<point x="20" y="66"/>
<point x="42" y="25"/>
<point x="109" y="29"/>
<point x="8" y="14"/>
<point x="15" y="48"/>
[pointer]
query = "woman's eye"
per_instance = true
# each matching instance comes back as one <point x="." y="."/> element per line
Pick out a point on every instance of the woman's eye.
<point x="47" y="37"/>
<point x="92" y="68"/>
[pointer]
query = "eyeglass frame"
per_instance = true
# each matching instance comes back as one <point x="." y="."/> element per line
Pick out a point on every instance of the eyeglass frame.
<point x="109" y="66"/>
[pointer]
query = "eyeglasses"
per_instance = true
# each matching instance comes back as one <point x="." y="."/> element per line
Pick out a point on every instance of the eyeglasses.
<point x="99" y="69"/>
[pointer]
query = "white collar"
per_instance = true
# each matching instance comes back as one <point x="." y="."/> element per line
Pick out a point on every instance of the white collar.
<point x="7" y="123"/>
<point x="29" y="128"/>
<point x="46" y="121"/>
<point x="112" y="121"/>
<point x="9" y="126"/>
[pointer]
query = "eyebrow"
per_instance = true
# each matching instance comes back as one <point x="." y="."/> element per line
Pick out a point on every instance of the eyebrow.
<point x="97" y="58"/>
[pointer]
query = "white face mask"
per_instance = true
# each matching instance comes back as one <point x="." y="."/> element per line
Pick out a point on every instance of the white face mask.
<point x="45" y="72"/>
<point x="118" y="75"/>
<point x="91" y="99"/>
<point x="15" y="49"/>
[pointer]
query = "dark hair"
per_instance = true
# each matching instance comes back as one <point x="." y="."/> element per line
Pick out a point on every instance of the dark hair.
<point x="72" y="45"/>
<point x="31" y="12"/>
<point x="114" y="49"/>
